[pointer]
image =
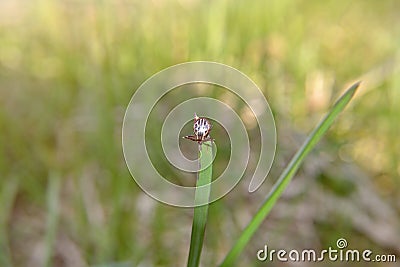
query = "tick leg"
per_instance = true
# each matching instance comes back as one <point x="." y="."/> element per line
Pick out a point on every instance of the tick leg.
<point x="192" y="138"/>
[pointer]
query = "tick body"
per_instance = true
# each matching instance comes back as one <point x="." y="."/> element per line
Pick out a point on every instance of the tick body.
<point x="201" y="129"/>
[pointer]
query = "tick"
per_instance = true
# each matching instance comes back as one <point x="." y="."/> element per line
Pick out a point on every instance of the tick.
<point x="201" y="129"/>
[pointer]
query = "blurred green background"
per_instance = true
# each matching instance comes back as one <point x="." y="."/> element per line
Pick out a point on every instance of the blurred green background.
<point x="69" y="68"/>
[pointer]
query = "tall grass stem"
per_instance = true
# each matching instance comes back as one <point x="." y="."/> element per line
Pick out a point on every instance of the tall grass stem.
<point x="201" y="196"/>
<point x="287" y="176"/>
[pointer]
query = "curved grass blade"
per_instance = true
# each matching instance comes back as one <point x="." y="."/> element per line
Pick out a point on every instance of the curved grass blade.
<point x="201" y="212"/>
<point x="287" y="175"/>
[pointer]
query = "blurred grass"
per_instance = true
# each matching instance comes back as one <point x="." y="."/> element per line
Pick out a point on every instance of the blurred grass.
<point x="69" y="68"/>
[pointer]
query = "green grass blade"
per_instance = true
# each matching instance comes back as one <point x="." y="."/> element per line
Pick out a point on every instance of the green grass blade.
<point x="7" y="198"/>
<point x="287" y="175"/>
<point x="53" y="195"/>
<point x="200" y="213"/>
